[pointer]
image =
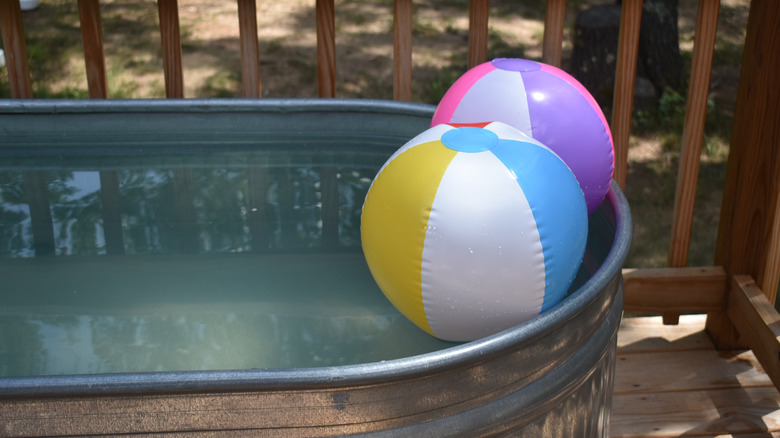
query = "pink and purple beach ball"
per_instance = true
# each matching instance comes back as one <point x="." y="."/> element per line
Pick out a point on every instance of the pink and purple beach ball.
<point x="545" y="103"/>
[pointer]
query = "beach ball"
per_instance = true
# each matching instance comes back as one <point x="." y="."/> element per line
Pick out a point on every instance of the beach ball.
<point x="545" y="103"/>
<point x="470" y="230"/>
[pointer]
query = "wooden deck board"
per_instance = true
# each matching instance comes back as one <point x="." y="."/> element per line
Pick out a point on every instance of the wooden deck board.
<point x="702" y="369"/>
<point x="670" y="381"/>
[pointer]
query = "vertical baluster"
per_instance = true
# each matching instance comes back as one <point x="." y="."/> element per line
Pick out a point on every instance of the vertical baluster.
<point x="174" y="88"/>
<point x="251" y="86"/>
<point x="625" y="72"/>
<point x="693" y="135"/>
<point x="15" y="50"/>
<point x="693" y="132"/>
<point x="171" y="47"/>
<point x="479" y="13"/>
<point x="92" y="40"/>
<point x="326" y="48"/>
<point x="402" y="50"/>
<point x="554" y="20"/>
<point x="250" y="49"/>
<point x="94" y="59"/>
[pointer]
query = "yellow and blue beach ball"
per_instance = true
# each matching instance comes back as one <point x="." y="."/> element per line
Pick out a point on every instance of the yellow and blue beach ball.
<point x="470" y="230"/>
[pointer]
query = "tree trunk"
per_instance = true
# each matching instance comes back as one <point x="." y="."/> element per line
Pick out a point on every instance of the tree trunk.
<point x="596" y="33"/>
<point x="659" y="45"/>
<point x="594" y="56"/>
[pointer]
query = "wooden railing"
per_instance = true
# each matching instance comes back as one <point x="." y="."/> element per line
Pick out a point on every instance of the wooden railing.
<point x="737" y="292"/>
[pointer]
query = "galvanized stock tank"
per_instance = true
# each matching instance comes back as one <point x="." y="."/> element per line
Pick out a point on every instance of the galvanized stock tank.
<point x="552" y="376"/>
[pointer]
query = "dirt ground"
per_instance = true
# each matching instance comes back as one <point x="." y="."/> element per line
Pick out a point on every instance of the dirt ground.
<point x="287" y="46"/>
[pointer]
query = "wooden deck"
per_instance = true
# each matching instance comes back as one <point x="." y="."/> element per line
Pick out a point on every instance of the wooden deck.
<point x="672" y="382"/>
<point x="670" y="379"/>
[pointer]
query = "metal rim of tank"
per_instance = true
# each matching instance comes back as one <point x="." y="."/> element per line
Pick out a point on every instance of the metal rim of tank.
<point x="340" y="376"/>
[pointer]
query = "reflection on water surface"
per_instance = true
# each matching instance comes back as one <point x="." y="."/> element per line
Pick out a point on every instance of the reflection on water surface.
<point x="211" y="261"/>
<point x="182" y="210"/>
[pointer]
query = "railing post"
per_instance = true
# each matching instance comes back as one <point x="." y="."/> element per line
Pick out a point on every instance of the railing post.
<point x="749" y="230"/>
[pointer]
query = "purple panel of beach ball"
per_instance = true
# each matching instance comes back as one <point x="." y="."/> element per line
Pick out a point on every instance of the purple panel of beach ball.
<point x="545" y="103"/>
